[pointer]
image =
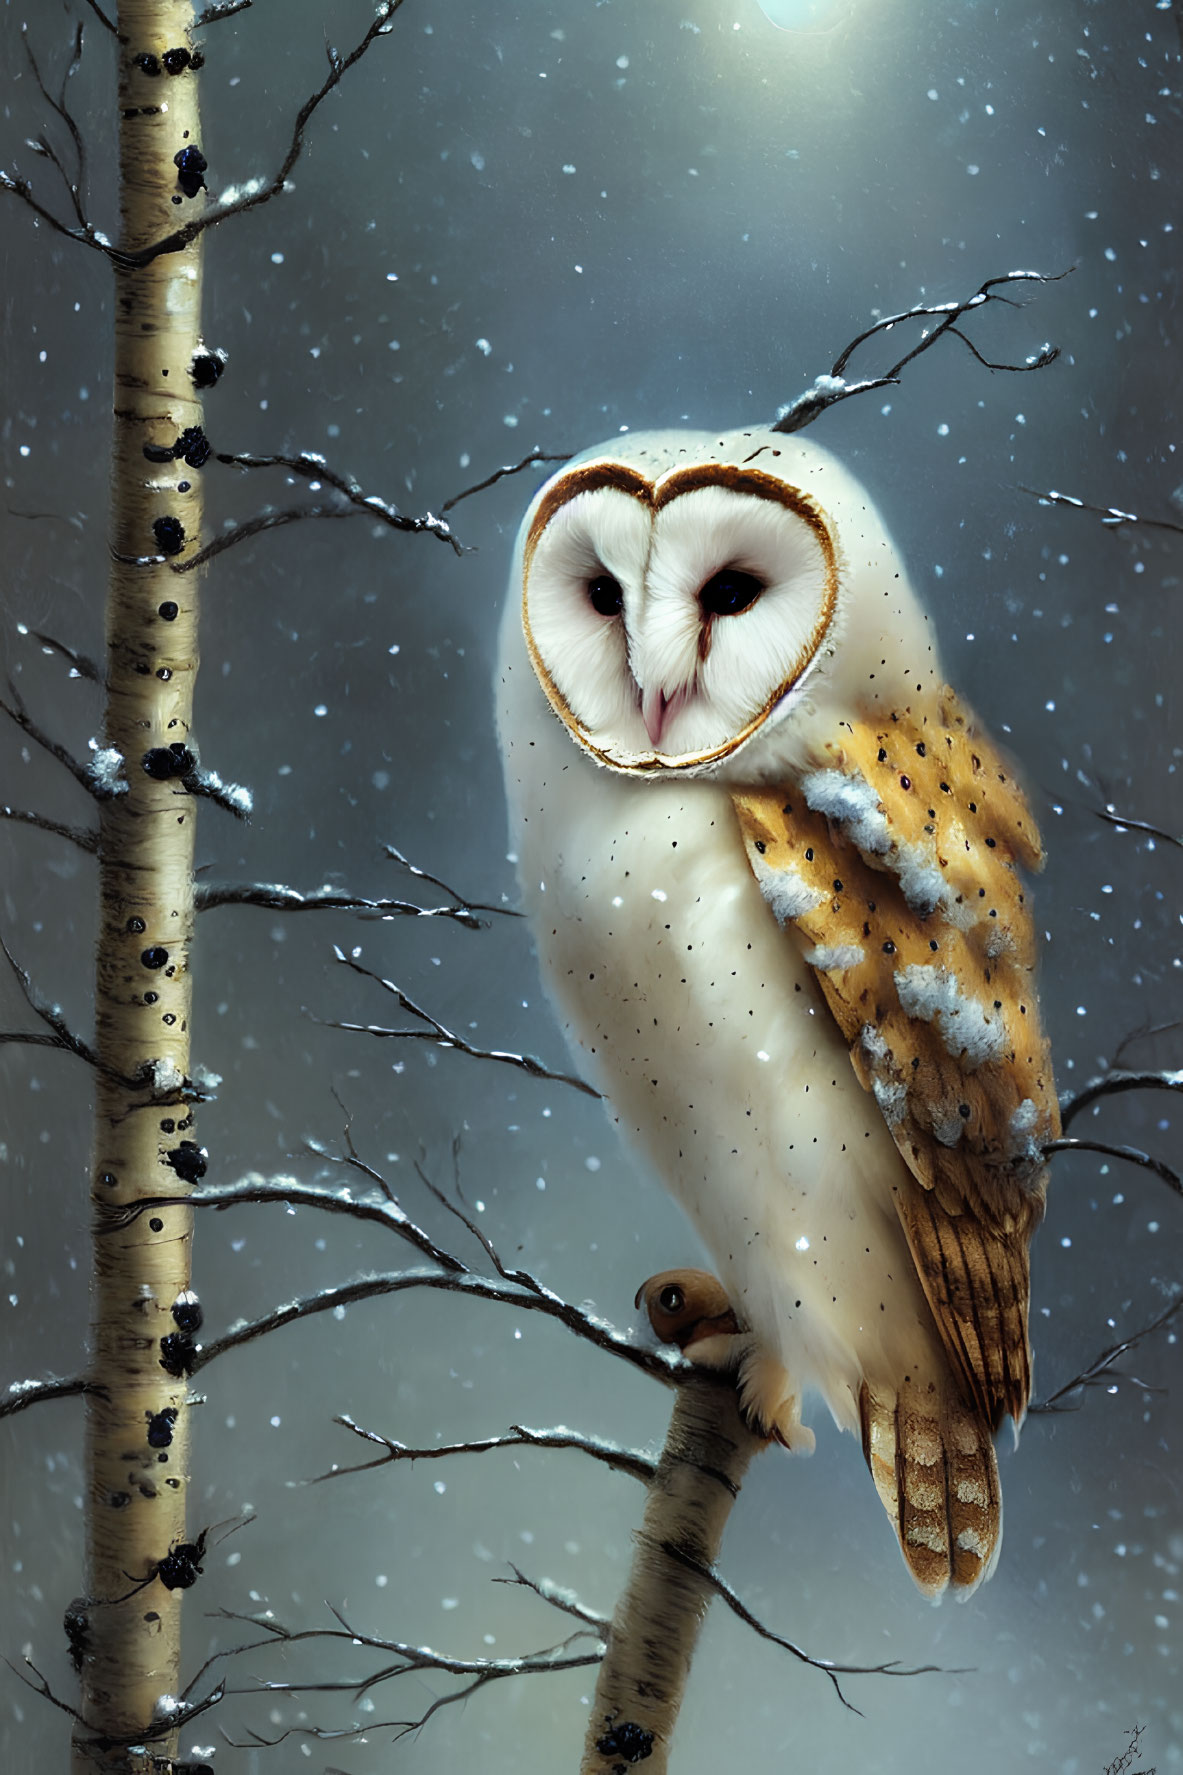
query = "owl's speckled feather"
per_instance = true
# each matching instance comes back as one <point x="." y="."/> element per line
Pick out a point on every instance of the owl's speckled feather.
<point x="922" y="941"/>
<point x="801" y="855"/>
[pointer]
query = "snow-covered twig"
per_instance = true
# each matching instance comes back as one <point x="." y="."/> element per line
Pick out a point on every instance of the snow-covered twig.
<point x="828" y="390"/>
<point x="611" y="1454"/>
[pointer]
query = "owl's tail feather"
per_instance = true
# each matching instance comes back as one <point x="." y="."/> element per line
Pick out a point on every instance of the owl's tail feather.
<point x="932" y="1460"/>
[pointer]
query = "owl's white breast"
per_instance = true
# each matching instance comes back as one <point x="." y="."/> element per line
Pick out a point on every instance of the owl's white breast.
<point x="696" y="1015"/>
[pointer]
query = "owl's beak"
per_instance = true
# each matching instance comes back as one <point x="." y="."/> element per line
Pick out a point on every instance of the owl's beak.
<point x="658" y="710"/>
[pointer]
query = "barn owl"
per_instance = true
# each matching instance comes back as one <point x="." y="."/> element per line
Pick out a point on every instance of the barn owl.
<point x="770" y="860"/>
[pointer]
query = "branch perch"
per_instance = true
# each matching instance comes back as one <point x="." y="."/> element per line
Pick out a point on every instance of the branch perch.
<point x="657" y="1620"/>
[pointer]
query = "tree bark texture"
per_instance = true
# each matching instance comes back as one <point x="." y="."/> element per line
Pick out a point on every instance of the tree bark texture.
<point x="127" y="1627"/>
<point x="657" y="1620"/>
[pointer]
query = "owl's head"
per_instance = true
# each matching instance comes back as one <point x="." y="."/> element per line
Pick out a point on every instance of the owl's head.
<point x="686" y="595"/>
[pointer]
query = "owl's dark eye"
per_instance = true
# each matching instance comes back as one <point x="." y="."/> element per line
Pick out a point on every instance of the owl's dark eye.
<point x="604" y="595"/>
<point x="728" y="592"/>
<point x="671" y="1299"/>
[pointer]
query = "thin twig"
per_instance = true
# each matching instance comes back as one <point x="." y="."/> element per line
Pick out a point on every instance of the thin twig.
<point x="499" y="474"/>
<point x="1132" y="1154"/>
<point x="1123" y="824"/>
<point x="440" y="1037"/>
<point x="19" y="714"/>
<point x="831" y="1669"/>
<point x="558" y="1596"/>
<point x="1112" y="1083"/>
<point x="42" y="145"/>
<point x="396" y="856"/>
<point x="828" y="390"/>
<point x="621" y="1460"/>
<point x="102" y="17"/>
<point x="81" y="662"/>
<point x="1104" y="1363"/>
<point x="21" y="1394"/>
<point x="259" y="191"/>
<point x="278" y="898"/>
<point x="85" y="838"/>
<point x="1112" y="516"/>
<point x="60" y="1034"/>
<point x="255" y="1188"/>
<point x="314" y="468"/>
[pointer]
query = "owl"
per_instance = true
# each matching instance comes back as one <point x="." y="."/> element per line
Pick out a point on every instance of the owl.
<point x="772" y="866"/>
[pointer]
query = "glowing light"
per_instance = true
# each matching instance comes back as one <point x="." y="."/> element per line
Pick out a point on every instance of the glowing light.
<point x="803" y="1243"/>
<point x="803" y="15"/>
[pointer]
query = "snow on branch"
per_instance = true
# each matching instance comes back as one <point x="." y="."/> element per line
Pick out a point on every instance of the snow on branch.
<point x="440" y="1037"/>
<point x="314" y="468"/>
<point x="408" y="1659"/>
<point x="1112" y="516"/>
<point x="102" y="778"/>
<point x="278" y="898"/>
<point x="21" y="1394"/>
<point x="235" y="201"/>
<point x="214" y="14"/>
<point x="1114" y="1082"/>
<point x="828" y="390"/>
<point x="612" y="1454"/>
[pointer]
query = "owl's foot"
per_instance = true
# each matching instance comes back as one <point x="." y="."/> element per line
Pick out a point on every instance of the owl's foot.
<point x="770" y="1404"/>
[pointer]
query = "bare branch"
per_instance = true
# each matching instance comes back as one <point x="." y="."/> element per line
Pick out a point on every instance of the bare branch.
<point x="21" y="1394"/>
<point x="416" y="1658"/>
<point x="1112" y="516"/>
<point x="73" y="185"/>
<point x="1102" y="1366"/>
<point x="278" y="898"/>
<point x="268" y="520"/>
<point x="438" y="1036"/>
<point x="259" y="191"/>
<point x="81" y="662"/>
<point x="723" y="1590"/>
<point x="558" y="1596"/>
<point x="1143" y="1034"/>
<point x="596" y="1331"/>
<point x="621" y="1460"/>
<point x="828" y="390"/>
<point x="60" y="1034"/>
<point x="255" y="1188"/>
<point x="87" y="235"/>
<point x="42" y="1688"/>
<point x="82" y="773"/>
<point x="499" y="474"/>
<point x="1111" y="1084"/>
<point x="314" y="468"/>
<point x="1123" y="824"/>
<point x="1132" y="1154"/>
<point x="84" y="837"/>
<point x="396" y="856"/>
<point x="102" y="17"/>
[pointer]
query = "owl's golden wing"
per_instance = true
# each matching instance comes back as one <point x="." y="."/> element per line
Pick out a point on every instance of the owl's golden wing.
<point x="895" y="865"/>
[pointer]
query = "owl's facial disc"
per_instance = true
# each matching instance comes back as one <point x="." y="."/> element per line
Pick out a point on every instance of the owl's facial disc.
<point x="668" y="621"/>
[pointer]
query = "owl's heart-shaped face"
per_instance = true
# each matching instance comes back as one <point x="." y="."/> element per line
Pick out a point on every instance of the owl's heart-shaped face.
<point x="669" y="619"/>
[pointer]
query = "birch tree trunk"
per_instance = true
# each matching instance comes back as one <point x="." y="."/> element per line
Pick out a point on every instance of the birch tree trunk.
<point x="137" y="1427"/>
<point x="657" y="1620"/>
